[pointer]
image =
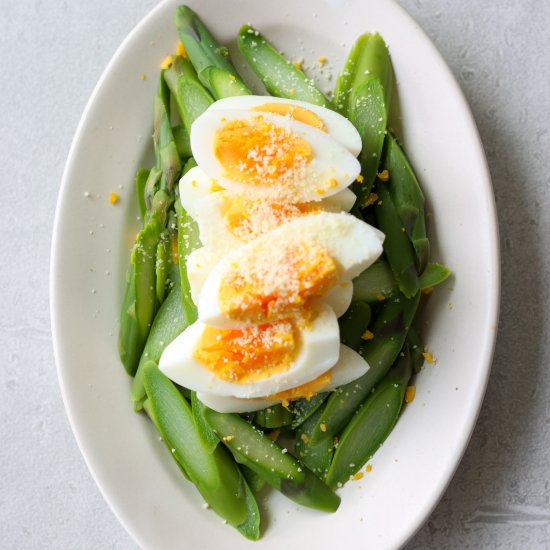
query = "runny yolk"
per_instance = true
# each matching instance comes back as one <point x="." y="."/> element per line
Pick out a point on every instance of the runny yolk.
<point x="301" y="114"/>
<point x="258" y="152"/>
<point x="249" y="354"/>
<point x="277" y="283"/>
<point x="248" y="219"/>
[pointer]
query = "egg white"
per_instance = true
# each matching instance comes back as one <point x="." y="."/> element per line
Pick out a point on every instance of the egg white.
<point x="338" y="126"/>
<point x="201" y="262"/>
<point x="319" y="351"/>
<point x="349" y="367"/>
<point x="331" y="161"/>
<point x="352" y="243"/>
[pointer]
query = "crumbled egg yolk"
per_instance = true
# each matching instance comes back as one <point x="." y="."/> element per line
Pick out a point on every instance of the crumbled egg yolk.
<point x="277" y="284"/>
<point x="429" y="357"/>
<point x="410" y="394"/>
<point x="181" y="52"/>
<point x="258" y="152"/>
<point x="248" y="219"/>
<point x="167" y="62"/>
<point x="249" y="354"/>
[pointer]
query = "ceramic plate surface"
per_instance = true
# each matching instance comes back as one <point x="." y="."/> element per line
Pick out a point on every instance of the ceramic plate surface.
<point x="93" y="238"/>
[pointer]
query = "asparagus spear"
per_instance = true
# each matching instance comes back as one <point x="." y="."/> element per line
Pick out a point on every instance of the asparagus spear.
<point x="191" y="97"/>
<point x="316" y="457"/>
<point x="141" y="297"/>
<point x="188" y="240"/>
<point x="398" y="248"/>
<point x="416" y="348"/>
<point x="271" y="462"/>
<point x="389" y="330"/>
<point x="204" y="430"/>
<point x="165" y="263"/>
<point x="214" y="473"/>
<point x="280" y="77"/>
<point x="372" y="424"/>
<point x="408" y="199"/>
<point x="169" y="322"/>
<point x="363" y="94"/>
<point x="274" y="416"/>
<point x="303" y="408"/>
<point x="181" y="137"/>
<point x="166" y="151"/>
<point x="223" y="84"/>
<point x="375" y="284"/>
<point x="368" y="58"/>
<point x="433" y="275"/>
<point x="142" y="175"/>
<point x="210" y="59"/>
<point x="354" y="323"/>
<point x="150" y="188"/>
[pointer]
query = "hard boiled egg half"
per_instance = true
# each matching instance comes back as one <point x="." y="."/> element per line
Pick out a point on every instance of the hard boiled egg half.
<point x="241" y="370"/>
<point x="279" y="151"/>
<point x="282" y="272"/>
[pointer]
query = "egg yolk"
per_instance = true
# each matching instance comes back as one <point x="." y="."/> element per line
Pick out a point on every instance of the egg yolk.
<point x="249" y="354"/>
<point x="260" y="153"/>
<point x="248" y="219"/>
<point x="301" y="114"/>
<point x="277" y="283"/>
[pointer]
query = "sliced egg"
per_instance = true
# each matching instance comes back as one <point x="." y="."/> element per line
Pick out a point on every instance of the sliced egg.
<point x="226" y="221"/>
<point x="202" y="261"/>
<point x="274" y="157"/>
<point x="254" y="361"/>
<point x="331" y="122"/>
<point x="349" y="367"/>
<point x="282" y="272"/>
<point x="195" y="185"/>
<point x="339" y="298"/>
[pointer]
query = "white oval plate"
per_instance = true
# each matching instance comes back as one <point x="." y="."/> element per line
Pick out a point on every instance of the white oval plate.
<point x="92" y="239"/>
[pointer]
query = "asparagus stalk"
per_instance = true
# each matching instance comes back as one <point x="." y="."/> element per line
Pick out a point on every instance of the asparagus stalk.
<point x="316" y="457"/>
<point x="211" y="60"/>
<point x="374" y="422"/>
<point x="215" y="475"/>
<point x="408" y="199"/>
<point x="363" y="94"/>
<point x="169" y="322"/>
<point x="275" y="416"/>
<point x="191" y="97"/>
<point x="280" y="77"/>
<point x="389" y="330"/>
<point x="183" y="144"/>
<point x="375" y="284"/>
<point x="303" y="408"/>
<point x="354" y="323"/>
<point x="271" y="462"/>
<point x="416" y="348"/>
<point x="433" y="275"/>
<point x="142" y="175"/>
<point x="398" y="248"/>
<point x="166" y="151"/>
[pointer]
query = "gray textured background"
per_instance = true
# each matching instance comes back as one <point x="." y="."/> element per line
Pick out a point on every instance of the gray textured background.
<point x="52" y="54"/>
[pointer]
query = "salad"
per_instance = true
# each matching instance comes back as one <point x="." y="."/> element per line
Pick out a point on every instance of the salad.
<point x="268" y="316"/>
